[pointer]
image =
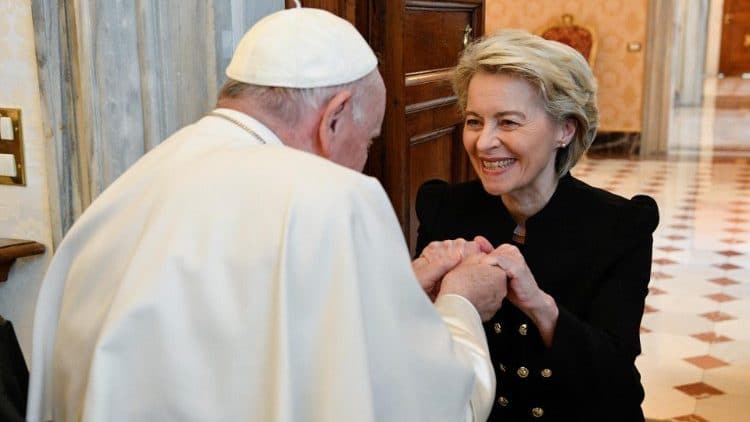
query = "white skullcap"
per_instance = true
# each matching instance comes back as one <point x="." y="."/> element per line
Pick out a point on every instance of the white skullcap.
<point x="301" y="48"/>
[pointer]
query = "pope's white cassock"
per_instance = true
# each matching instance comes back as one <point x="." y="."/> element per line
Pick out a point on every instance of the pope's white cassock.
<point x="220" y="279"/>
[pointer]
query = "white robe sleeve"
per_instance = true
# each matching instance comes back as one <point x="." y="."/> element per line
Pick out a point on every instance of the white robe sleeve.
<point x="465" y="344"/>
<point x="465" y="326"/>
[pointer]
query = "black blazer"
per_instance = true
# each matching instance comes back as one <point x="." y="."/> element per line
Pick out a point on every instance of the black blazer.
<point x="591" y="251"/>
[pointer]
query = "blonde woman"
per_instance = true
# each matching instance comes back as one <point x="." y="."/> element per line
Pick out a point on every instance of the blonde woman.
<point x="577" y="258"/>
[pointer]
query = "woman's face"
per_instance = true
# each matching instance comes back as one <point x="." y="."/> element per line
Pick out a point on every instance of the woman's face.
<point x="510" y="138"/>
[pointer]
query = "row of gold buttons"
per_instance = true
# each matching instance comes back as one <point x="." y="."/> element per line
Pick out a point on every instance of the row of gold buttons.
<point x="537" y="412"/>
<point x="523" y="372"/>
<point x="523" y="329"/>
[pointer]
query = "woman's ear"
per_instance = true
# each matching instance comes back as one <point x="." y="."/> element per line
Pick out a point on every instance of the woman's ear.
<point x="331" y="122"/>
<point x="567" y="131"/>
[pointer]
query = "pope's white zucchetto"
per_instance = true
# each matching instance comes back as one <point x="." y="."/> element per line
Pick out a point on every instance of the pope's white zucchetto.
<point x="301" y="48"/>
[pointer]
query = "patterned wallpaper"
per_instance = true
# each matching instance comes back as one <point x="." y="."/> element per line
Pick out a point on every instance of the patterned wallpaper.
<point x="24" y="210"/>
<point x="617" y="22"/>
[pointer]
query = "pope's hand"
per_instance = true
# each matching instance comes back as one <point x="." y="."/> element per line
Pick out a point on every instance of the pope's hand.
<point x="479" y="280"/>
<point x="439" y="257"/>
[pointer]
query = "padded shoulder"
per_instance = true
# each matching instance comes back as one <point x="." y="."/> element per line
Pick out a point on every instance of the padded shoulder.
<point x="645" y="211"/>
<point x="430" y="196"/>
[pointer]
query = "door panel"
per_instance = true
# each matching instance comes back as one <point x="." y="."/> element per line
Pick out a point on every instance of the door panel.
<point x="430" y="157"/>
<point x="434" y="34"/>
<point x="735" y="38"/>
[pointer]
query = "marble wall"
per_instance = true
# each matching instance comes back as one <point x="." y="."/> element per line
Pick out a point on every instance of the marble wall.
<point x="24" y="210"/>
<point x="620" y="73"/>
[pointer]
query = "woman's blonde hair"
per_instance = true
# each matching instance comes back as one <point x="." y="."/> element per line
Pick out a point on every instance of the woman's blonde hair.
<point x="561" y="75"/>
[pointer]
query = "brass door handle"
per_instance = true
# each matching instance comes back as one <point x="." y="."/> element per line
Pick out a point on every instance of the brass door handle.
<point x="746" y="44"/>
<point x="728" y="18"/>
<point x="467" y="33"/>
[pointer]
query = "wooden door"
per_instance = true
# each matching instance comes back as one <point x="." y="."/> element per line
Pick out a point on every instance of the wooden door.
<point x="735" y="38"/>
<point x="420" y="42"/>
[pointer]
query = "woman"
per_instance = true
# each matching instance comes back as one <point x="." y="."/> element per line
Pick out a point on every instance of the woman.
<point x="577" y="258"/>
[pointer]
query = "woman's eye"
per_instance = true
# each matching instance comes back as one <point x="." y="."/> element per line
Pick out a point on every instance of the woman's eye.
<point x="473" y="123"/>
<point x="508" y="124"/>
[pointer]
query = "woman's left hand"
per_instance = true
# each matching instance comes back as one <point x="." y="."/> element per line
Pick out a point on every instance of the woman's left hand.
<point x="522" y="288"/>
<point x="524" y="292"/>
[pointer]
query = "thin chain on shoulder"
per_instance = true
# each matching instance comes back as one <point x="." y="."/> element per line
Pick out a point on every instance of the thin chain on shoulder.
<point x="239" y="124"/>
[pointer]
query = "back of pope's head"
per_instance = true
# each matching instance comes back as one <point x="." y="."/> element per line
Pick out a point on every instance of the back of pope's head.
<point x="301" y="48"/>
<point x="310" y="77"/>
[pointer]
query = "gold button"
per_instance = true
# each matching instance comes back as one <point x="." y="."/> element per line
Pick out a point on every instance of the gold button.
<point x="502" y="401"/>
<point x="537" y="412"/>
<point x="546" y="372"/>
<point x="523" y="329"/>
<point x="522" y="372"/>
<point x="498" y="328"/>
<point x="502" y="368"/>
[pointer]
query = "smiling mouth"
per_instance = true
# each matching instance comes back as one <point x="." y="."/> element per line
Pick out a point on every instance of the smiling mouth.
<point x="498" y="164"/>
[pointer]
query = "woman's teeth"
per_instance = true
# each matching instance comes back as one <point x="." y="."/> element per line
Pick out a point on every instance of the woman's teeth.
<point x="499" y="164"/>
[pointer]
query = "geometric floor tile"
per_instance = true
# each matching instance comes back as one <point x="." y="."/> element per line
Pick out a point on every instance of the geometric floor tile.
<point x="649" y="309"/>
<point x="669" y="249"/>
<point x="711" y="337"/>
<point x="683" y="217"/>
<point x="721" y="297"/>
<point x="723" y="281"/>
<point x="658" y="275"/>
<point x="717" y="316"/>
<point x="734" y="230"/>
<point x="675" y="237"/>
<point x="706" y="362"/>
<point x="729" y="253"/>
<point x="681" y="226"/>
<point x="727" y="266"/>
<point x="657" y="291"/>
<point x="699" y="390"/>
<point x="690" y="418"/>
<point x="732" y="241"/>
<point x="695" y="331"/>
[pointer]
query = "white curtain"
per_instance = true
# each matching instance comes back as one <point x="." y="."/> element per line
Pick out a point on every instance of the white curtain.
<point x="118" y="76"/>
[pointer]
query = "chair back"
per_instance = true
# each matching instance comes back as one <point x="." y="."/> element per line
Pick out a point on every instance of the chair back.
<point x="580" y="37"/>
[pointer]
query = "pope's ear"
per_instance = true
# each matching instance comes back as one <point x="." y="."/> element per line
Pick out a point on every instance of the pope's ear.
<point x="330" y="123"/>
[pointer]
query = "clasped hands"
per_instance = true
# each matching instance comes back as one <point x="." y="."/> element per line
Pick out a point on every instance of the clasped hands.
<point x="479" y="272"/>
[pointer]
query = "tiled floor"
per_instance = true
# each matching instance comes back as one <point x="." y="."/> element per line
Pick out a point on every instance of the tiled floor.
<point x="696" y="330"/>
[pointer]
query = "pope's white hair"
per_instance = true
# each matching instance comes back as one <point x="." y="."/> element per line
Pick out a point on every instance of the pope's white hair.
<point x="291" y="103"/>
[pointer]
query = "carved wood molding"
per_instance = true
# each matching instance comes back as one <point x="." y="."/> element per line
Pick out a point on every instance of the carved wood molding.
<point x="419" y="78"/>
<point x="432" y="5"/>
<point x="425" y="137"/>
<point x="431" y="104"/>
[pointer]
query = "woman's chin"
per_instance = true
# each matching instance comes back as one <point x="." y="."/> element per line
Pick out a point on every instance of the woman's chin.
<point x="493" y="187"/>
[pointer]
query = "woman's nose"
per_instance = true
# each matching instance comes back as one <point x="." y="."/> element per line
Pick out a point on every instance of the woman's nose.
<point x="488" y="139"/>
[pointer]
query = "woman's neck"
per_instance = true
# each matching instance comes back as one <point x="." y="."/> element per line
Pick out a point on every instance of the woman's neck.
<point x="527" y="202"/>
